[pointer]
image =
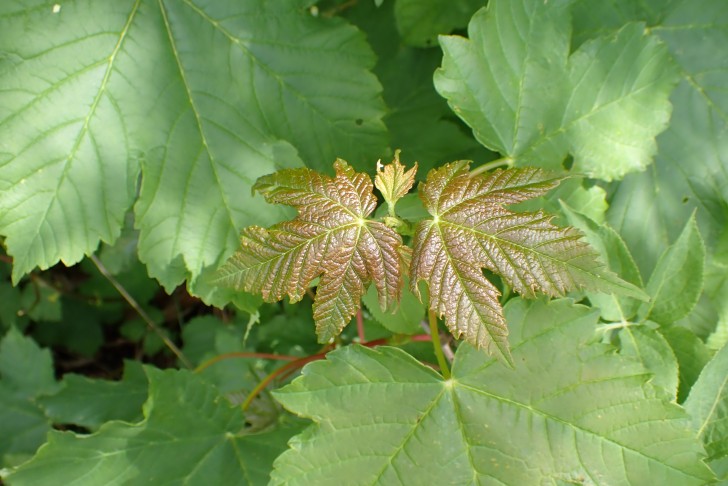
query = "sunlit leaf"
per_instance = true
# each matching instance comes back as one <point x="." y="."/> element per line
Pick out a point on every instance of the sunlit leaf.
<point x="524" y="94"/>
<point x="199" y="98"/>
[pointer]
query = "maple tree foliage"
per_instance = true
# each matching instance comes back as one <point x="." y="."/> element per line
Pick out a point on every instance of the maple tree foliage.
<point x="470" y="230"/>
<point x="330" y="238"/>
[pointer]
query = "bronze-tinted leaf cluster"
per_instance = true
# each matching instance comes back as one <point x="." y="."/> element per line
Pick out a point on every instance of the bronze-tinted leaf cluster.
<point x="470" y="230"/>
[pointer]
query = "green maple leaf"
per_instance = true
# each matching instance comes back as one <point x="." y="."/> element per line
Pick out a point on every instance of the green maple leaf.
<point x="516" y="83"/>
<point x="198" y="98"/>
<point x="471" y="230"/>
<point x="331" y="237"/>
<point x="184" y="417"/>
<point x="570" y="413"/>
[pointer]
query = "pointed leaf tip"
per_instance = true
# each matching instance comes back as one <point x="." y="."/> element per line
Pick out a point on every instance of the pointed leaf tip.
<point x="393" y="182"/>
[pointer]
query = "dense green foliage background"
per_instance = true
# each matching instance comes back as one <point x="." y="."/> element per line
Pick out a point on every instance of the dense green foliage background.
<point x="132" y="131"/>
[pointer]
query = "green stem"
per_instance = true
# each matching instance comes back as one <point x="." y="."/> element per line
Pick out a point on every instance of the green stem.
<point x="243" y="355"/>
<point x="435" y="333"/>
<point x="503" y="161"/>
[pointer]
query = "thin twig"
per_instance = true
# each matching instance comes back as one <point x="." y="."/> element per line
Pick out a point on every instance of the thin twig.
<point x="145" y="317"/>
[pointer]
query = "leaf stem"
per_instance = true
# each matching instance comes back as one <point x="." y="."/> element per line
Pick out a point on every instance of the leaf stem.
<point x="222" y="357"/>
<point x="360" y="326"/>
<point x="435" y="333"/>
<point x="285" y="370"/>
<point x="277" y="372"/>
<point x="503" y="161"/>
<point x="145" y="317"/>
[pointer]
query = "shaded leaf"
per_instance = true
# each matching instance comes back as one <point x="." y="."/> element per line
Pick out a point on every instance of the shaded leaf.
<point x="26" y="372"/>
<point x="190" y="434"/>
<point x="570" y="412"/>
<point x="470" y="230"/>
<point x="707" y="404"/>
<point x="330" y="238"/>
<point x="419" y="22"/>
<point x="91" y="402"/>
<point x="677" y="281"/>
<point x="615" y="253"/>
<point x="406" y="317"/>
<point x="417" y="119"/>
<point x="649" y="210"/>
<point x="692" y="356"/>
<point x="516" y="84"/>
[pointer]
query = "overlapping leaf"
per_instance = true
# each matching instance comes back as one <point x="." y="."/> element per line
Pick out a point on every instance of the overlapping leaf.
<point x="26" y="372"/>
<point x="515" y="82"/>
<point x="330" y="238"/>
<point x="570" y="413"/>
<point x="691" y="170"/>
<point x="202" y="97"/>
<point x="708" y="406"/>
<point x="190" y="435"/>
<point x="471" y="230"/>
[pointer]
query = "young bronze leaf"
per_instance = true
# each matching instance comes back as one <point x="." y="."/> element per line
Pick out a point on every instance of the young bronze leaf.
<point x="330" y="238"/>
<point x="393" y="182"/>
<point x="471" y="230"/>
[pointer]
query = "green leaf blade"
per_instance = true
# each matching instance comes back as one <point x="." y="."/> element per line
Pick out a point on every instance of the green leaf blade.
<point x="677" y="281"/>
<point x="185" y="417"/>
<point x="708" y="406"/>
<point x="515" y="83"/>
<point x="559" y="416"/>
<point x="49" y="162"/>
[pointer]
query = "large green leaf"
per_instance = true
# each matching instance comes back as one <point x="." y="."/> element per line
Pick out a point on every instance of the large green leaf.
<point x="708" y="406"/>
<point x="26" y="372"/>
<point x="691" y="169"/>
<point x="516" y="84"/>
<point x="190" y="435"/>
<point x="202" y="96"/>
<point x="569" y="413"/>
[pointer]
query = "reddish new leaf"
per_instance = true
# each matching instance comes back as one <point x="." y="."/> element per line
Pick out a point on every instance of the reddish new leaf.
<point x="471" y="230"/>
<point x="330" y="238"/>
